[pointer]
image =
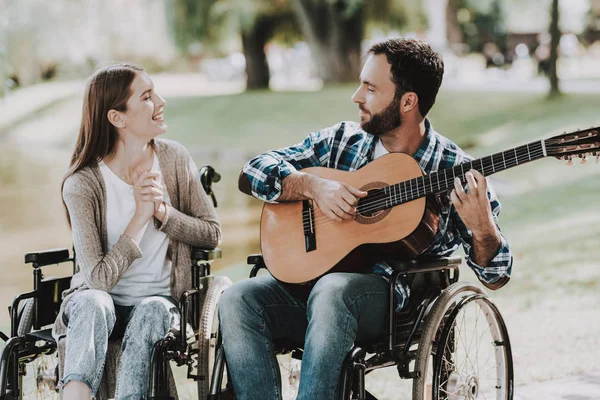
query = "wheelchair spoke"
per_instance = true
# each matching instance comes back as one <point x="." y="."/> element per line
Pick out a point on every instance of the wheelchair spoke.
<point x="470" y="373"/>
<point x="39" y="380"/>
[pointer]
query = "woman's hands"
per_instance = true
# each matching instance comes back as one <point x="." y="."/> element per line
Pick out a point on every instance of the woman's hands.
<point x="147" y="191"/>
<point x="148" y="196"/>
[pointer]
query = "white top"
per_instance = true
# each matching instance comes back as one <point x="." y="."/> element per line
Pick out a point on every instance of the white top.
<point x="150" y="274"/>
<point x="380" y="150"/>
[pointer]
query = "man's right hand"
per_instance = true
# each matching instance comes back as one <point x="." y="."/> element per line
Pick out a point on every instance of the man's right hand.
<point x="336" y="200"/>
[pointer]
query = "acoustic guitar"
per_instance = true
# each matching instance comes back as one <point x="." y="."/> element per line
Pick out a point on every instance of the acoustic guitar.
<point x="396" y="220"/>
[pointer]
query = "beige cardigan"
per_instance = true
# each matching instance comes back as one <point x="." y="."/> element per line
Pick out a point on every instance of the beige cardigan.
<point x="190" y="221"/>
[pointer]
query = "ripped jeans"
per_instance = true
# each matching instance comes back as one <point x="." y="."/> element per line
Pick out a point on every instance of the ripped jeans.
<point x="91" y="317"/>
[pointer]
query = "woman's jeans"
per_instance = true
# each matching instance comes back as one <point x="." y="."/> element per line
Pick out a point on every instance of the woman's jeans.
<point x="91" y="317"/>
<point x="341" y="308"/>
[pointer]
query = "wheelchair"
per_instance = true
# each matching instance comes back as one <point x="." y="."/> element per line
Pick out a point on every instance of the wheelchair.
<point x="29" y="366"/>
<point x="451" y="340"/>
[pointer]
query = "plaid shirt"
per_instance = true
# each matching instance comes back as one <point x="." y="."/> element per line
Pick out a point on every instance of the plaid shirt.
<point x="347" y="147"/>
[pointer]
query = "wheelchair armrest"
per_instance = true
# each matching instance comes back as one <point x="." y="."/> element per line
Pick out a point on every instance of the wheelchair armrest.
<point x="208" y="176"/>
<point x="257" y="261"/>
<point x="205" y="254"/>
<point x="426" y="263"/>
<point x="47" y="257"/>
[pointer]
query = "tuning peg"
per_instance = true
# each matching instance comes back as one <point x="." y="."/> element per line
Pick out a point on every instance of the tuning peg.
<point x="597" y="158"/>
<point x="584" y="159"/>
<point x="569" y="160"/>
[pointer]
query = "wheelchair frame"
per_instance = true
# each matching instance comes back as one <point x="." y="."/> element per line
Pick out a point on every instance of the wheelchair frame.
<point x="429" y="277"/>
<point x="20" y="348"/>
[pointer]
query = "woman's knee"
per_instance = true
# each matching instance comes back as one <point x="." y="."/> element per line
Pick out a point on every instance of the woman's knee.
<point x="93" y="303"/>
<point x="153" y="314"/>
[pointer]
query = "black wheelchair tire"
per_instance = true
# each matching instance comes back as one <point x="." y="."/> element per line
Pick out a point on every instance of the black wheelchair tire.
<point x="43" y="366"/>
<point x="504" y="379"/>
<point x="26" y="311"/>
<point x="208" y="332"/>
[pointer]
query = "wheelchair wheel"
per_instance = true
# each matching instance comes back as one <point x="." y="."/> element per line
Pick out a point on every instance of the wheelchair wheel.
<point x="464" y="352"/>
<point x="38" y="373"/>
<point x="208" y="333"/>
<point x="25" y="317"/>
<point x="289" y="369"/>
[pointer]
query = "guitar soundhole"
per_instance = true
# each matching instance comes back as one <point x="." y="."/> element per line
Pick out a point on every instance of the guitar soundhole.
<point x="369" y="212"/>
<point x="367" y="209"/>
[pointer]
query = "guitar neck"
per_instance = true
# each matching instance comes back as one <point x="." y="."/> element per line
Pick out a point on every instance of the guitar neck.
<point x="443" y="180"/>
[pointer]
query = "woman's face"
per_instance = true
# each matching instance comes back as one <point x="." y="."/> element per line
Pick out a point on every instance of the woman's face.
<point x="144" y="117"/>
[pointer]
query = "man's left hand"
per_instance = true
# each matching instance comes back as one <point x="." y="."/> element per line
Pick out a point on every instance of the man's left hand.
<point x="473" y="205"/>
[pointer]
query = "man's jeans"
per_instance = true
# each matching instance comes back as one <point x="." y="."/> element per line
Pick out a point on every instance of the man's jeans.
<point x="91" y="316"/>
<point x="341" y="308"/>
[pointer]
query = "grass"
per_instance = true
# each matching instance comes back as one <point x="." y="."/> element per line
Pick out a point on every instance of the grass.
<point x="263" y="120"/>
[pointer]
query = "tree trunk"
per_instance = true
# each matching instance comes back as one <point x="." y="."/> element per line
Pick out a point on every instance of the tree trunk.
<point x="437" y="26"/>
<point x="455" y="35"/>
<point x="254" y="40"/>
<point x="334" y="31"/>
<point x="554" y="42"/>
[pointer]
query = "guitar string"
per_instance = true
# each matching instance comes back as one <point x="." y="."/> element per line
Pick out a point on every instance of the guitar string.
<point x="380" y="200"/>
<point x="383" y="199"/>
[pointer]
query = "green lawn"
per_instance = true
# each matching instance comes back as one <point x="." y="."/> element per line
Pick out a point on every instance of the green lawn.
<point x="263" y="120"/>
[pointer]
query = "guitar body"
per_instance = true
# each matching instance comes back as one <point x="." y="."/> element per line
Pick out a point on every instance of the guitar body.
<point x="400" y="232"/>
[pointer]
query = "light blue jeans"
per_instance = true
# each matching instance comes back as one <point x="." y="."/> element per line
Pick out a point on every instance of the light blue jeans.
<point x="341" y="308"/>
<point x="91" y="317"/>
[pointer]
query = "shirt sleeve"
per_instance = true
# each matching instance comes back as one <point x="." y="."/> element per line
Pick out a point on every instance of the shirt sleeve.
<point x="266" y="171"/>
<point x="500" y="268"/>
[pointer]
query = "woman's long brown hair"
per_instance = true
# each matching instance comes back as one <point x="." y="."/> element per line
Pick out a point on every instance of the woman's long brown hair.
<point x="108" y="88"/>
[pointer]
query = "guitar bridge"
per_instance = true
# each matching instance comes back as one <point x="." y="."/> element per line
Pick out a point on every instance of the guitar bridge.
<point x="308" y="223"/>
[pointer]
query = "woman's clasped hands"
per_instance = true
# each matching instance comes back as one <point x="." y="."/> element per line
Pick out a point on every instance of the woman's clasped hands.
<point x="148" y="194"/>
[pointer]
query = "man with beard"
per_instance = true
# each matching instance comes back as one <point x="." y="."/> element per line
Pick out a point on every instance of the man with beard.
<point x="398" y="86"/>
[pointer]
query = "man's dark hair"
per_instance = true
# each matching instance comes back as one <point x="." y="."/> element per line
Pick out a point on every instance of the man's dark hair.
<point x="415" y="68"/>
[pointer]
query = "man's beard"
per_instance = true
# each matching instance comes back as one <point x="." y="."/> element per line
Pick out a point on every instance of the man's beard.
<point x="384" y="121"/>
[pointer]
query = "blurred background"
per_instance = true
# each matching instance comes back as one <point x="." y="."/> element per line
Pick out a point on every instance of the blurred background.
<point x="245" y="76"/>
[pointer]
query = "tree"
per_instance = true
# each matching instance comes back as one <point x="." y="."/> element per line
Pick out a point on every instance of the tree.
<point x="255" y="21"/>
<point x="453" y="28"/>
<point x="480" y="23"/>
<point x="335" y="29"/>
<point x="554" y="43"/>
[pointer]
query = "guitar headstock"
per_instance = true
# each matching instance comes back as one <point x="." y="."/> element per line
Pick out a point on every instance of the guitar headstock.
<point x="575" y="144"/>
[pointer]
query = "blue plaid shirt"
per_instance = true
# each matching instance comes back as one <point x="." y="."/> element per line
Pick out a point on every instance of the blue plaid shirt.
<point x="347" y="147"/>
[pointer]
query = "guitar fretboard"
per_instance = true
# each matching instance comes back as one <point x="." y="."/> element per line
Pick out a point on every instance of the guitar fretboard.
<point x="443" y="180"/>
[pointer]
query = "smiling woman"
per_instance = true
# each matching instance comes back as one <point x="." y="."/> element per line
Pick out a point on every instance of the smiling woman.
<point x="135" y="207"/>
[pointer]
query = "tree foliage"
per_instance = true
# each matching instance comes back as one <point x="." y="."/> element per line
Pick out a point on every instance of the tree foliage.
<point x="481" y="22"/>
<point x="334" y="29"/>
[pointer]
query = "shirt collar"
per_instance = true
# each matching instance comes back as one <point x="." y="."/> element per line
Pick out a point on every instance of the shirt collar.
<point x="426" y="150"/>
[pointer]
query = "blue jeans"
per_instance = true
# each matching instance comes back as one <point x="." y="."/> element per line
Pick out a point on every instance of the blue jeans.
<point x="341" y="308"/>
<point x="91" y="317"/>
